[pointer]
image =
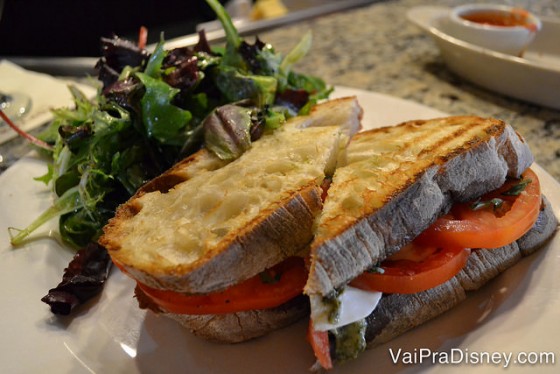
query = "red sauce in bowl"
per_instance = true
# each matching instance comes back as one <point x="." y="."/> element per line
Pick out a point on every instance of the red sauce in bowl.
<point x="517" y="17"/>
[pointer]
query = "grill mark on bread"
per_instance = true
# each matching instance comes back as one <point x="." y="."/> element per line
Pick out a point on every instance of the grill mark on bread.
<point x="444" y="141"/>
<point x="455" y="158"/>
<point x="395" y="175"/>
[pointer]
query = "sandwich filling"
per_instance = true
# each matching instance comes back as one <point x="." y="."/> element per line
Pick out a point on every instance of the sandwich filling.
<point x="271" y="288"/>
<point x="494" y="220"/>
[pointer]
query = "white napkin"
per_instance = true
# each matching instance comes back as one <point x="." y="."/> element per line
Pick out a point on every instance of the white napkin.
<point x="45" y="91"/>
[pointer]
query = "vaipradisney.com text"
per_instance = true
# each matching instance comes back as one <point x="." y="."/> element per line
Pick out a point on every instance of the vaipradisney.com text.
<point x="463" y="356"/>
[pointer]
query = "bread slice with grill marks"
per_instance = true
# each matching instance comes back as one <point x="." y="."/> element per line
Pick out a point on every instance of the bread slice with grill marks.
<point x="397" y="181"/>
<point x="206" y="225"/>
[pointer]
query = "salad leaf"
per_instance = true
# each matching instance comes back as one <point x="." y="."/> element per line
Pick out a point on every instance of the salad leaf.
<point x="66" y="203"/>
<point x="82" y="279"/>
<point x="261" y="59"/>
<point x="117" y="54"/>
<point x="163" y="120"/>
<point x="227" y="131"/>
<point x="236" y="86"/>
<point x="231" y="56"/>
<point x="155" y="62"/>
<point x="296" y="54"/>
<point x="149" y="114"/>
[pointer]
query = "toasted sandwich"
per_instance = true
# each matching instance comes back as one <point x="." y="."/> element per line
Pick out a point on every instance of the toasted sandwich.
<point x="383" y="260"/>
<point x="209" y="241"/>
<point x="218" y="245"/>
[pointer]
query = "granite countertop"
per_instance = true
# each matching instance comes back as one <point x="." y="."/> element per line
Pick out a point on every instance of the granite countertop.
<point x="376" y="48"/>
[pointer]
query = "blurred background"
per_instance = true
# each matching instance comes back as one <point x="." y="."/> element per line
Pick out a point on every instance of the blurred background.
<point x="58" y="28"/>
<point x="73" y="28"/>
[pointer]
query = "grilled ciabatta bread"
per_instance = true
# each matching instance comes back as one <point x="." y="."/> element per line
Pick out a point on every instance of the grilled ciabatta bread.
<point x="397" y="181"/>
<point x="206" y="225"/>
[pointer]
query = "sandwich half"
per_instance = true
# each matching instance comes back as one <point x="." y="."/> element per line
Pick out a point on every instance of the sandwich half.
<point x="398" y="240"/>
<point x="209" y="240"/>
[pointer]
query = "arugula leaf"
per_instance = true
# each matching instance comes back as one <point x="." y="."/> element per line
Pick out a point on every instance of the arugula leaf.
<point x="77" y="115"/>
<point x="80" y="228"/>
<point x="163" y="120"/>
<point x="127" y="167"/>
<point x="68" y="202"/>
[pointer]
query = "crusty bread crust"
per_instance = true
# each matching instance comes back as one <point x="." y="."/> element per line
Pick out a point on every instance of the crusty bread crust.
<point x="242" y="326"/>
<point x="427" y="165"/>
<point x="397" y="314"/>
<point x="544" y="228"/>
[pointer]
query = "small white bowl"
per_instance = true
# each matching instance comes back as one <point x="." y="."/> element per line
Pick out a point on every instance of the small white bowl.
<point x="500" y="28"/>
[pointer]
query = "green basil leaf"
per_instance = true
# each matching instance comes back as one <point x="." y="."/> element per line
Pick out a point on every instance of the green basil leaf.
<point x="518" y="188"/>
<point x="494" y="203"/>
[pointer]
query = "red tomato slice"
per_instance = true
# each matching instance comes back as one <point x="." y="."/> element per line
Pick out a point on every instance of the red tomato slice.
<point x="414" y="268"/>
<point x="489" y="227"/>
<point x="284" y="282"/>
<point x="319" y="341"/>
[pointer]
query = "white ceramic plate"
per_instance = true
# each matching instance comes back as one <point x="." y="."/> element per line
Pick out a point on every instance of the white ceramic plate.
<point x="516" y="312"/>
<point x="534" y="78"/>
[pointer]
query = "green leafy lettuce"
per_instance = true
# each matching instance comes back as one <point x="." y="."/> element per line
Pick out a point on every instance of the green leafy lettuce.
<point x="149" y="113"/>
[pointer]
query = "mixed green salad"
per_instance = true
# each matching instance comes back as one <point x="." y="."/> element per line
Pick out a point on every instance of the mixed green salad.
<point x="154" y="109"/>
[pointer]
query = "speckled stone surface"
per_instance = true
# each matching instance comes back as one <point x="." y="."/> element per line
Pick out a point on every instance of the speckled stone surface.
<point x="376" y="48"/>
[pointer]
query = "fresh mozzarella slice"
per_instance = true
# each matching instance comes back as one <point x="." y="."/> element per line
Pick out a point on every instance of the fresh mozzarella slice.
<point x="355" y="304"/>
